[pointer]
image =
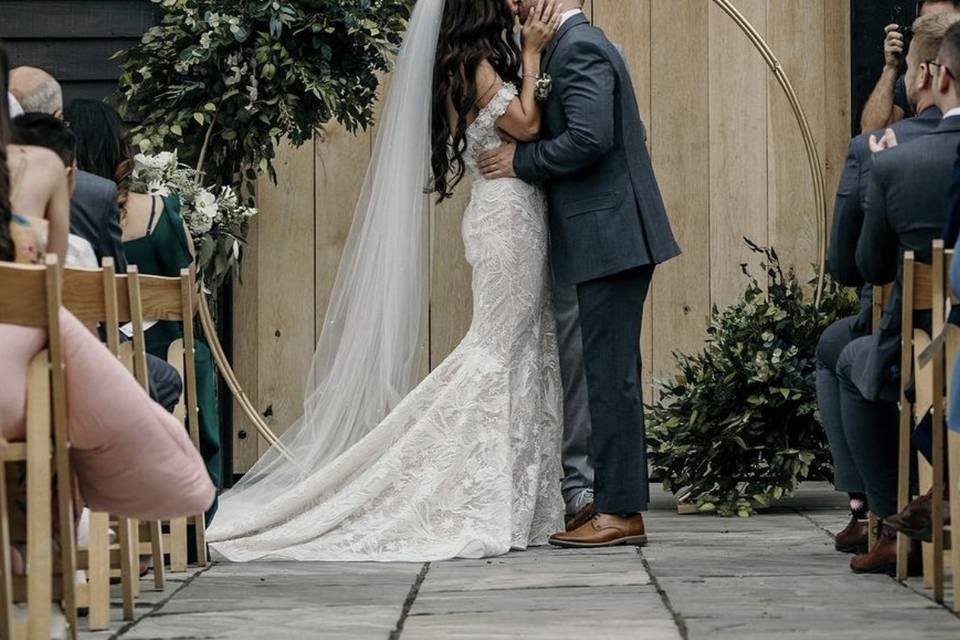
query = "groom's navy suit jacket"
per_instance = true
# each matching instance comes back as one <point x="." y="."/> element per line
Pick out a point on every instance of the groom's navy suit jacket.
<point x="606" y="211"/>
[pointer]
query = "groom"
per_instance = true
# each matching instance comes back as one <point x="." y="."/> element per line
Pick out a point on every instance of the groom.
<point x="608" y="230"/>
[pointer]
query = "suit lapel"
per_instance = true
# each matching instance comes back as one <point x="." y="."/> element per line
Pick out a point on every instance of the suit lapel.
<point x="567" y="27"/>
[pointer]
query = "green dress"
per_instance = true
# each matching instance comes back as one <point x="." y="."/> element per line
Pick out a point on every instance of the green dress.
<point x="164" y="252"/>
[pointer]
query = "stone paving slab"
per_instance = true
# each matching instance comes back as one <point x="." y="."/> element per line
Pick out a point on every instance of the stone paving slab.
<point x="702" y="577"/>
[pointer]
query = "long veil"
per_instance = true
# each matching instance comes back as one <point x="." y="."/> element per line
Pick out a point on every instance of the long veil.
<point x="369" y="352"/>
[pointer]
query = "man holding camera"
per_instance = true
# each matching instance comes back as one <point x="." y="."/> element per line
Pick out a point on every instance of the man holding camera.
<point x="888" y="103"/>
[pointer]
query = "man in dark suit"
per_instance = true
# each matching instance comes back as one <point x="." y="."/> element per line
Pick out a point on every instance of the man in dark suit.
<point x="608" y="230"/>
<point x="905" y="210"/>
<point x="847" y="225"/>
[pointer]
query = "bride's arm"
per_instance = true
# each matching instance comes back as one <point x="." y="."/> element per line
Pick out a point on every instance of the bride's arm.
<point x="522" y="118"/>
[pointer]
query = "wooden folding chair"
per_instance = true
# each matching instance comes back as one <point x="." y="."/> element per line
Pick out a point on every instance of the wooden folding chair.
<point x="134" y="355"/>
<point x="30" y="296"/>
<point x="948" y="349"/>
<point x="91" y="296"/>
<point x="171" y="299"/>
<point x="917" y="296"/>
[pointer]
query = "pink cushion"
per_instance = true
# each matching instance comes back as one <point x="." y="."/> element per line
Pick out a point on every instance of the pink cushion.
<point x="131" y="457"/>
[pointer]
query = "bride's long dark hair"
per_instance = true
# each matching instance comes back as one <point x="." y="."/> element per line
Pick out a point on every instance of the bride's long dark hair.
<point x="472" y="31"/>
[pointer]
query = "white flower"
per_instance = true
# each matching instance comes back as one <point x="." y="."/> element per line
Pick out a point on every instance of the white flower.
<point x="206" y="205"/>
<point x="205" y="40"/>
<point x="162" y="160"/>
<point x="200" y="224"/>
<point x="158" y="188"/>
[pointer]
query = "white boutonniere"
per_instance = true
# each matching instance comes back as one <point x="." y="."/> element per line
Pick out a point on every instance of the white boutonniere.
<point x="543" y="87"/>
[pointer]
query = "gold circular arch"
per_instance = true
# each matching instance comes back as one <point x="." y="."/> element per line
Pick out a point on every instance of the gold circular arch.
<point x="809" y="143"/>
<point x="816" y="171"/>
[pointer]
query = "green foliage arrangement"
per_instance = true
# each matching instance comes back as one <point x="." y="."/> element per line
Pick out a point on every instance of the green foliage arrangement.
<point x="737" y="427"/>
<point x="222" y="82"/>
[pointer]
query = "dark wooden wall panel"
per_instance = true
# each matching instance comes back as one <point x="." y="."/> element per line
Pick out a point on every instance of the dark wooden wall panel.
<point x="74" y="39"/>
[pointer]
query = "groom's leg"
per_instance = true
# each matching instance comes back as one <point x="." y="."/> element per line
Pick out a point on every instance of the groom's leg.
<point x="611" y="312"/>
<point x="577" y="468"/>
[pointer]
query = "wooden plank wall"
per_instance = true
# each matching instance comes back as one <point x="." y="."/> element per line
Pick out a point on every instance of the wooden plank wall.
<point x="75" y="40"/>
<point x="726" y="150"/>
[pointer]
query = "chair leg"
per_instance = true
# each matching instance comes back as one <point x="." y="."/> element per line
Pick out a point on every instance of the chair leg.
<point x="129" y="566"/>
<point x="903" y="484"/>
<point x="954" y="475"/>
<point x="39" y="504"/>
<point x="872" y="522"/>
<point x="200" y="536"/>
<point x="925" y="477"/>
<point x="6" y="561"/>
<point x="98" y="572"/>
<point x="178" y="545"/>
<point x="156" y="546"/>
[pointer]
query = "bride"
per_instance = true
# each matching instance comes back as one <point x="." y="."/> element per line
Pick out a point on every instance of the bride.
<point x="467" y="464"/>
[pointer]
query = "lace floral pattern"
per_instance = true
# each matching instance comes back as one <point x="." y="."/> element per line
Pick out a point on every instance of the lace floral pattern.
<point x="468" y="464"/>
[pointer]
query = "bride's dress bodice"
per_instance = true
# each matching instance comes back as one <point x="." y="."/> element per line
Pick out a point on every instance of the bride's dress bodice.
<point x="482" y="133"/>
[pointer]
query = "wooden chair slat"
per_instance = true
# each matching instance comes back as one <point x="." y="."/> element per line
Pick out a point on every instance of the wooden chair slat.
<point x="160" y="298"/>
<point x="83" y="294"/>
<point x="23" y="299"/>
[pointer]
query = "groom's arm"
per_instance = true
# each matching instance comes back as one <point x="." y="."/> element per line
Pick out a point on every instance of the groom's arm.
<point x="587" y="92"/>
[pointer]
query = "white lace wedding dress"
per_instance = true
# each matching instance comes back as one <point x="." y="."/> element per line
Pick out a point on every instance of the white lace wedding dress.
<point x="468" y="464"/>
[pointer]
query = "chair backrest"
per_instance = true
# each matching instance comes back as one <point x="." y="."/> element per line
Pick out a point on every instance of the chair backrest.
<point x="171" y="299"/>
<point x="91" y="296"/>
<point x="30" y="294"/>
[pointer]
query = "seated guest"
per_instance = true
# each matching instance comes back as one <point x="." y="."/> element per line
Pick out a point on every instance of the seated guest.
<point x="131" y="457"/>
<point x="155" y="239"/>
<point x="904" y="211"/>
<point x="36" y="91"/>
<point x="42" y="130"/>
<point x="847" y="225"/>
<point x="94" y="215"/>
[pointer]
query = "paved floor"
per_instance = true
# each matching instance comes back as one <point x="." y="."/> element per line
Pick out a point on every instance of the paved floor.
<point x="772" y="576"/>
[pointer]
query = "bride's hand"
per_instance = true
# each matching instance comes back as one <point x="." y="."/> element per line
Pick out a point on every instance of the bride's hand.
<point x="542" y="24"/>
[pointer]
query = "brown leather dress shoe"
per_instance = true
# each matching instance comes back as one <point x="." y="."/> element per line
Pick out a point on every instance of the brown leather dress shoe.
<point x="604" y="530"/>
<point x="853" y="539"/>
<point x="580" y="518"/>
<point x="916" y="519"/>
<point x="883" y="559"/>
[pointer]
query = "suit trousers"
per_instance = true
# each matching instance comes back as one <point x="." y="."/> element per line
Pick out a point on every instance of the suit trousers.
<point x="577" y="468"/>
<point x="871" y="429"/>
<point x="611" y="313"/>
<point x="837" y="336"/>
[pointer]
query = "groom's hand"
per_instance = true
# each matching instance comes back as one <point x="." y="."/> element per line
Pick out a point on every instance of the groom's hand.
<point x="498" y="163"/>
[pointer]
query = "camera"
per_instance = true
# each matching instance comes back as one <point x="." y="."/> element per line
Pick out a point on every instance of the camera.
<point x="907" y="32"/>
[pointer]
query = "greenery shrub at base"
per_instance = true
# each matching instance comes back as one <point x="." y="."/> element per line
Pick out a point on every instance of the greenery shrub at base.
<point x="738" y="426"/>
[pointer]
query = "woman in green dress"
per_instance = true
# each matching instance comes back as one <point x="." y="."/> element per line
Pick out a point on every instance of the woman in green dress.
<point x="156" y="240"/>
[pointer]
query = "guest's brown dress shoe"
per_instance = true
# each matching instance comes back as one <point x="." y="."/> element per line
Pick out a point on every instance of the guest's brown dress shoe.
<point x="604" y="530"/>
<point x="916" y="519"/>
<point x="580" y="518"/>
<point x="883" y="559"/>
<point x="853" y="539"/>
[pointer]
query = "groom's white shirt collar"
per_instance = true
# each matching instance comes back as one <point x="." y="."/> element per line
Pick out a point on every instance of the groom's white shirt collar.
<point x="566" y="15"/>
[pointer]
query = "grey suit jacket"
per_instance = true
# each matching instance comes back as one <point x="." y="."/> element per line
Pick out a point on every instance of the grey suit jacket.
<point x="606" y="211"/>
<point x="905" y="207"/>
<point x="95" y="217"/>
<point x="849" y="207"/>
